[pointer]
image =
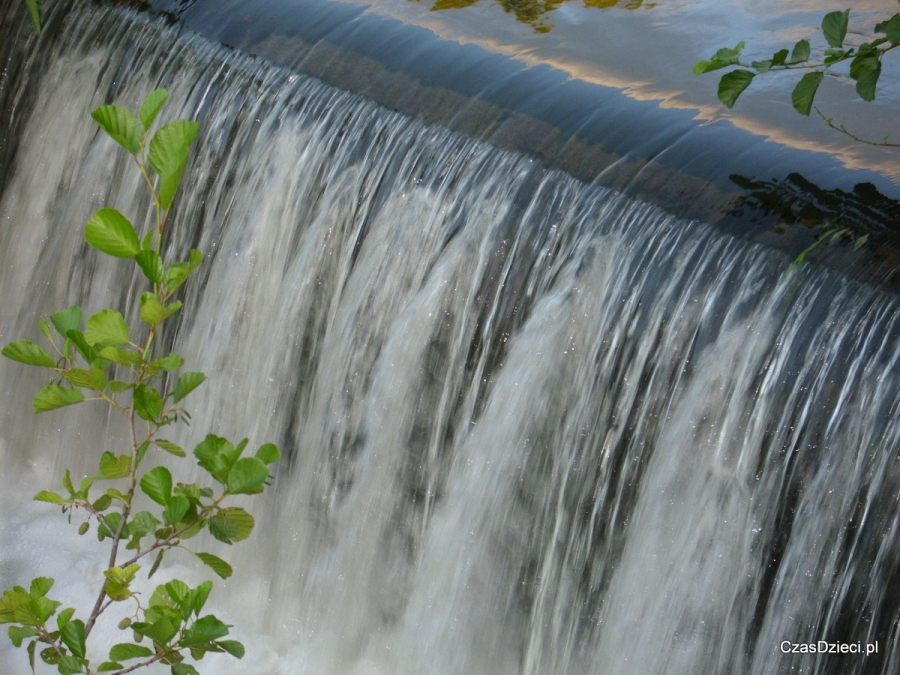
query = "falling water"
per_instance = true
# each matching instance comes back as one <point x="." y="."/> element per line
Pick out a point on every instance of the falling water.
<point x="531" y="426"/>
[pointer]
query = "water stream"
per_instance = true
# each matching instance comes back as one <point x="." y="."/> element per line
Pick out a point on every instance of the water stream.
<point x="530" y="425"/>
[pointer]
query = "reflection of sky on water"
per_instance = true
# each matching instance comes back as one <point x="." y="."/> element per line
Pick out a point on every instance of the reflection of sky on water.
<point x="648" y="53"/>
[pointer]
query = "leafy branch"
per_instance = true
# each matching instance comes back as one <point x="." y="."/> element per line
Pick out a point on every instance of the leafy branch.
<point x="107" y="360"/>
<point x="865" y="65"/>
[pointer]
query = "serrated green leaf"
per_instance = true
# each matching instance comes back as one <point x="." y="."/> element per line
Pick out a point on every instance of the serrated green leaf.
<point x="175" y="510"/>
<point x="90" y="378"/>
<point x="732" y="85"/>
<point x="46" y="496"/>
<point x="169" y="363"/>
<point x="69" y="665"/>
<point x="246" y="476"/>
<point x="29" y="353"/>
<point x="216" y="564"/>
<point x="151" y="265"/>
<point x="157" y="484"/>
<point x="112" y="233"/>
<point x="40" y="586"/>
<point x="43" y="608"/>
<point x="66" y="320"/>
<point x="121" y="356"/>
<point x="112" y="467"/>
<point x="102" y="503"/>
<point x="162" y="630"/>
<point x="268" y="453"/>
<point x="153" y="312"/>
<point x="117" y="386"/>
<point x="170" y="447"/>
<point x="148" y="404"/>
<point x="127" y="650"/>
<point x="72" y="635"/>
<point x="205" y="629"/>
<point x="19" y="633"/>
<point x="53" y="396"/>
<point x="122" y="126"/>
<point x="242" y="520"/>
<point x="118" y="580"/>
<point x="151" y="106"/>
<point x="170" y="146"/>
<point x="178" y="273"/>
<point x="800" y="52"/>
<point x="87" y="352"/>
<point x="805" y="92"/>
<point x="107" y="328"/>
<point x="186" y="383"/>
<point x="64" y="617"/>
<point x="834" y="27"/>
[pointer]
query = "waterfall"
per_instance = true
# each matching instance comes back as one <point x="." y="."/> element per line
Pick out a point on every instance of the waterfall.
<point x="530" y="425"/>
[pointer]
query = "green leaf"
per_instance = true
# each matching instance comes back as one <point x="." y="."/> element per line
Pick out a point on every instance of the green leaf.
<point x="107" y="328"/>
<point x="40" y="586"/>
<point x="143" y="522"/>
<point x="205" y="629"/>
<point x="780" y="57"/>
<point x="112" y="467"/>
<point x="45" y="329"/>
<point x="891" y="28"/>
<point x="223" y="529"/>
<point x="43" y="608"/>
<point x="178" y="273"/>
<point x="127" y="650"/>
<point x="151" y="106"/>
<point x="184" y="669"/>
<point x="268" y="453"/>
<point x="87" y="352"/>
<point x="153" y="312"/>
<point x="112" y="233"/>
<point x="148" y="404"/>
<point x="800" y="52"/>
<point x="170" y="363"/>
<point x="66" y="320"/>
<point x="186" y="383"/>
<point x="199" y="596"/>
<point x="19" y="633"/>
<point x="170" y="145"/>
<point x="162" y="630"/>
<point x="53" y="396"/>
<point x="243" y="522"/>
<point x="121" y="356"/>
<point x="170" y="447"/>
<point x="118" y="580"/>
<point x="175" y="510"/>
<point x="151" y="265"/>
<point x="156" y="563"/>
<point x="834" y="26"/>
<point x="117" y="386"/>
<point x="866" y="69"/>
<point x="29" y="353"/>
<point x="69" y="665"/>
<point x="732" y="84"/>
<point x="168" y="157"/>
<point x="35" y="11"/>
<point x="102" y="503"/>
<point x="233" y="647"/>
<point x="219" y="566"/>
<point x="91" y="378"/>
<point x="121" y="124"/>
<point x="72" y="635"/>
<point x="64" y="617"/>
<point x="46" y="496"/>
<point x="109" y="666"/>
<point x="50" y="656"/>
<point x="805" y="92"/>
<point x="246" y="476"/>
<point x="157" y="484"/>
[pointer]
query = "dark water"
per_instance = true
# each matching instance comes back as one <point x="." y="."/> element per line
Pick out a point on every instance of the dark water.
<point x="532" y="425"/>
